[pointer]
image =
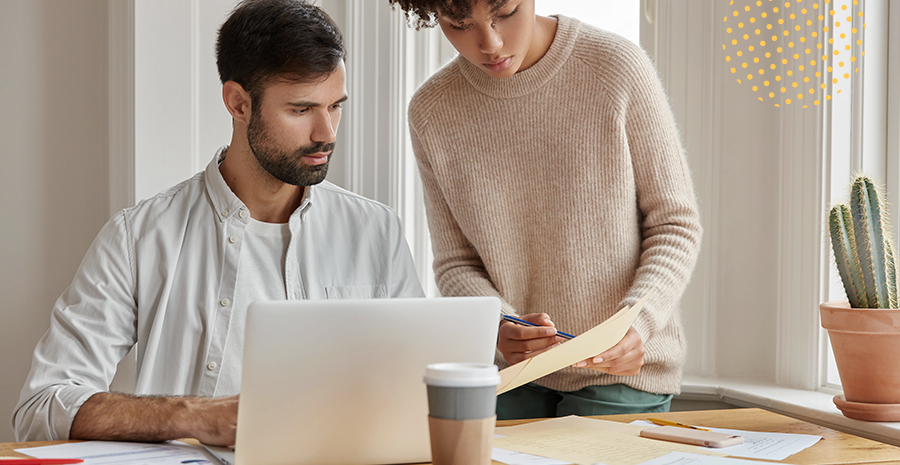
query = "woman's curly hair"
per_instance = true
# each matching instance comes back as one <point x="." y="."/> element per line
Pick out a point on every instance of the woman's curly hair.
<point x="423" y="13"/>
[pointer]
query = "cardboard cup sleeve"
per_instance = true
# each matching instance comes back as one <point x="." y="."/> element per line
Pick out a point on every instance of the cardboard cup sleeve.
<point x="461" y="442"/>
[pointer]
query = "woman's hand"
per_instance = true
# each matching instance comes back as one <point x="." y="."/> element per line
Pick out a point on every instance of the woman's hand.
<point x="624" y="359"/>
<point x="518" y="342"/>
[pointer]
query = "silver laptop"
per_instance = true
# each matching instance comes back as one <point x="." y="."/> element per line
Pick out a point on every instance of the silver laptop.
<point x="340" y="381"/>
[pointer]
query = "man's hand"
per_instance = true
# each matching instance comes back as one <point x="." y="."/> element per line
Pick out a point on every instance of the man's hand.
<point x="213" y="421"/>
<point x="624" y="359"/>
<point x="517" y="342"/>
<point x="117" y="417"/>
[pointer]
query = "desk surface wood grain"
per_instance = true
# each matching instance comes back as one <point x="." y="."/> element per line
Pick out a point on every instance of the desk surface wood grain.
<point x="836" y="449"/>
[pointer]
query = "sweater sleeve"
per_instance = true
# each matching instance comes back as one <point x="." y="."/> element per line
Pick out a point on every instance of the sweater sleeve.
<point x="670" y="228"/>
<point x="458" y="268"/>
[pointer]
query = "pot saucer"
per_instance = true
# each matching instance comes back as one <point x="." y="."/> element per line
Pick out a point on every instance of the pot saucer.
<point x="867" y="412"/>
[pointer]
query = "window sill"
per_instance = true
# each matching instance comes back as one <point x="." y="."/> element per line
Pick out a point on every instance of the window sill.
<point x="812" y="406"/>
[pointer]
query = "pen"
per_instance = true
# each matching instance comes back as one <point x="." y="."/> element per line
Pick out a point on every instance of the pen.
<point x="528" y="323"/>
<point x="672" y="423"/>
<point x="33" y="461"/>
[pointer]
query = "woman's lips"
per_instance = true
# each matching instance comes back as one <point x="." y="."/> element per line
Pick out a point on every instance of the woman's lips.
<point x="501" y="65"/>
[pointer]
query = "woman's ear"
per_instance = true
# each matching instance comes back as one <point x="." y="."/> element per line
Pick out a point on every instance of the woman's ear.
<point x="237" y="101"/>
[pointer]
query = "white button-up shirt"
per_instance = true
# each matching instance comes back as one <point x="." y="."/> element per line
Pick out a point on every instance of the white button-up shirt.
<point x="161" y="275"/>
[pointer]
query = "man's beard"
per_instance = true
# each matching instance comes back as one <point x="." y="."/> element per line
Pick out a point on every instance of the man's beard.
<point x="284" y="165"/>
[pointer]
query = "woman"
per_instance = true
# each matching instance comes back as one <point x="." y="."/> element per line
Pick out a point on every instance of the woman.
<point x="555" y="179"/>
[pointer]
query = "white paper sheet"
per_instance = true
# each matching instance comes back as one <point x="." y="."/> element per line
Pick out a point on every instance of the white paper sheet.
<point x="511" y="457"/>
<point x="123" y="453"/>
<point x="684" y="458"/>
<point x="760" y="445"/>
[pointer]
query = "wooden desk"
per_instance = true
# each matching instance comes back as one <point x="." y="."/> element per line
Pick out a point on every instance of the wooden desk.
<point x="836" y="449"/>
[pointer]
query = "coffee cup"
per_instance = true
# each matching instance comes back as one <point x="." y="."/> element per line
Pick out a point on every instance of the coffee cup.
<point x="462" y="403"/>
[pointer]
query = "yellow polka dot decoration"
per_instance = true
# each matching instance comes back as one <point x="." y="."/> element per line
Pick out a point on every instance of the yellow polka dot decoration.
<point x="796" y="51"/>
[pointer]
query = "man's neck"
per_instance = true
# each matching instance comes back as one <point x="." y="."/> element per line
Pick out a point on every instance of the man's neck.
<point x="268" y="199"/>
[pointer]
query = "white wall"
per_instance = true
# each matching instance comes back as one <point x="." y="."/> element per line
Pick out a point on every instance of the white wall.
<point x="53" y="154"/>
<point x="179" y="118"/>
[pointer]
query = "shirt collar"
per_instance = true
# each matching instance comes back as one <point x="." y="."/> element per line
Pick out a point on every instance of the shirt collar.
<point x="306" y="202"/>
<point x="223" y="199"/>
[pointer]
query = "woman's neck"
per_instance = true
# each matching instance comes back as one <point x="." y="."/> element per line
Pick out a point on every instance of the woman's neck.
<point x="544" y="32"/>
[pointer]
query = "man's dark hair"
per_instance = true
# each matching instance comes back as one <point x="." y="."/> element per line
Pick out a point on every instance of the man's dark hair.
<point x="289" y="40"/>
<point x="423" y="13"/>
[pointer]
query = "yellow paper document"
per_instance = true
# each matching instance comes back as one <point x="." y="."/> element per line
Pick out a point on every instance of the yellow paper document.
<point x="595" y="341"/>
<point x="589" y="445"/>
<point x="572" y="421"/>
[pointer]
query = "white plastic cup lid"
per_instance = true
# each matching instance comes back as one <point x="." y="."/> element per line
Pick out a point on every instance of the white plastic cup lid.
<point x="462" y="374"/>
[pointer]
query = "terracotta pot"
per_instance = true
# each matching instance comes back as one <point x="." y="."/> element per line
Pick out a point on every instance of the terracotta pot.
<point x="866" y="345"/>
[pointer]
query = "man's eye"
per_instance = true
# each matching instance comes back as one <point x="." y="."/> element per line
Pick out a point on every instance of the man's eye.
<point x="337" y="106"/>
<point x="459" y="27"/>
<point x="301" y="111"/>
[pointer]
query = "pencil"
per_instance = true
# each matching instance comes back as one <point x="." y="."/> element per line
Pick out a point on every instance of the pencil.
<point x="673" y="423"/>
<point x="528" y="323"/>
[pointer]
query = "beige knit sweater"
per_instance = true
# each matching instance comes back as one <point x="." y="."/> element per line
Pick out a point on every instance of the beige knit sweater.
<point x="563" y="189"/>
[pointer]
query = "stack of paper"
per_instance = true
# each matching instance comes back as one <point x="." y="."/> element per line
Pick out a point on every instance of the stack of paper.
<point x="584" y="440"/>
<point x="122" y="453"/>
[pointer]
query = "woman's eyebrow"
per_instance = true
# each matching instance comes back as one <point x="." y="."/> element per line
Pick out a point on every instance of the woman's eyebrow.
<point x="499" y="5"/>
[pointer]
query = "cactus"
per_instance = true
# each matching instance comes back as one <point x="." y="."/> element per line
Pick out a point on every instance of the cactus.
<point x="862" y="248"/>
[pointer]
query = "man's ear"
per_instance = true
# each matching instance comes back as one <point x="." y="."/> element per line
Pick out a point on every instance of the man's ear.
<point x="237" y="101"/>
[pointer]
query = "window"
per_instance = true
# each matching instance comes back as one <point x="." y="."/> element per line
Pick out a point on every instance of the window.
<point x="621" y="17"/>
<point x="860" y="141"/>
<point x="765" y="176"/>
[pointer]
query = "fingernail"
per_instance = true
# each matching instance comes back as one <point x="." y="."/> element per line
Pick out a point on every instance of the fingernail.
<point x="581" y="364"/>
<point x="598" y="359"/>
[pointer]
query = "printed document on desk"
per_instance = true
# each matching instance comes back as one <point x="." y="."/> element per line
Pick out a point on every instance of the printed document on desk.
<point x="571" y="421"/>
<point x="590" y="445"/>
<point x="760" y="445"/>
<point x="594" y="342"/>
<point x="683" y="458"/>
<point x="511" y="457"/>
<point x="122" y="453"/>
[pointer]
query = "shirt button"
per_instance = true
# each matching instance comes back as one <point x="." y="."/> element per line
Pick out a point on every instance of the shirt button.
<point x="211" y="366"/>
<point x="224" y="302"/>
<point x="224" y="212"/>
<point x="243" y="213"/>
<point x="232" y="239"/>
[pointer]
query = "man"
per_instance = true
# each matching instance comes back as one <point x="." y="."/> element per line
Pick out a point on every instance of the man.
<point x="175" y="274"/>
